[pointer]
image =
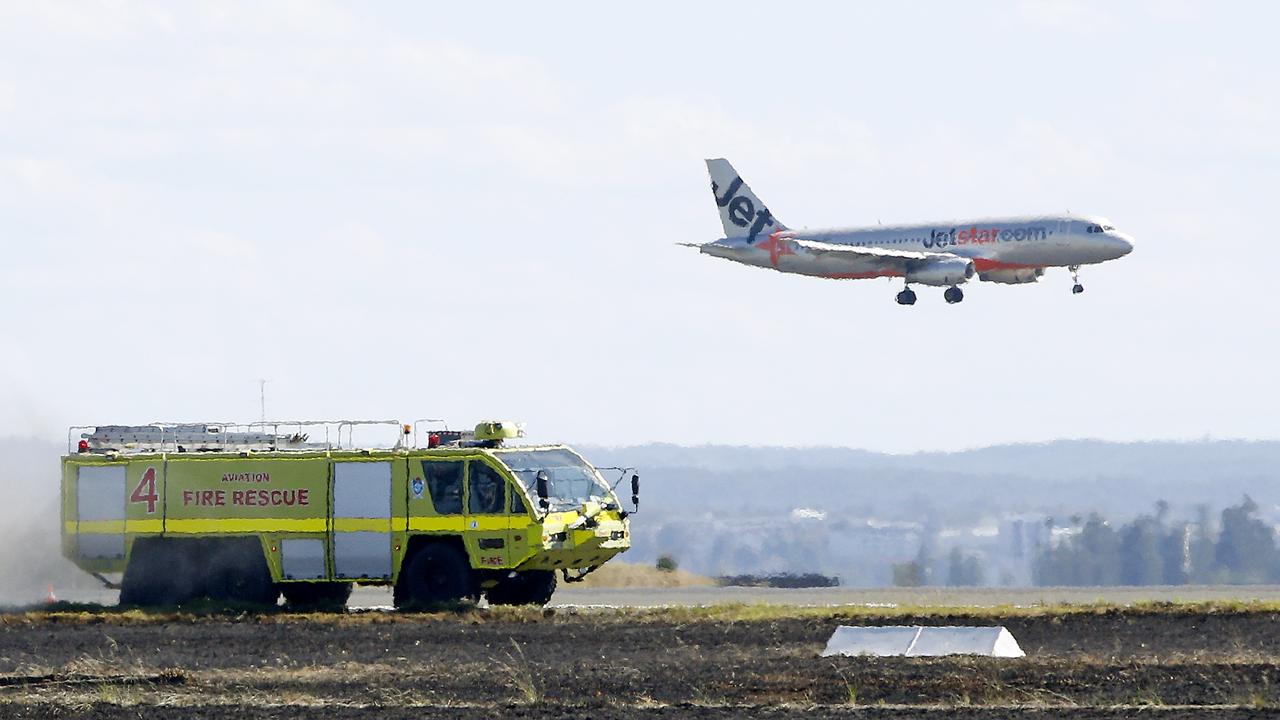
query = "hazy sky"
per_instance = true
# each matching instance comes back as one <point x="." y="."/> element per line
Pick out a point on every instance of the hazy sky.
<point x="470" y="210"/>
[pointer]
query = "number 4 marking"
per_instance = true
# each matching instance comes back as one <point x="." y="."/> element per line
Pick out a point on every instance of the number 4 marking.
<point x="146" y="490"/>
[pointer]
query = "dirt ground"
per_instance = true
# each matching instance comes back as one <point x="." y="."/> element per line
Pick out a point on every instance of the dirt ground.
<point x="1173" y="662"/>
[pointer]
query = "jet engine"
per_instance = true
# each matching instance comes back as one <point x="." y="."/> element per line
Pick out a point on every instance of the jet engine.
<point x="941" y="272"/>
<point x="1014" y="276"/>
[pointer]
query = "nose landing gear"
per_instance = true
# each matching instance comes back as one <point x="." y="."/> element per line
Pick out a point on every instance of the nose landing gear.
<point x="953" y="295"/>
<point x="906" y="297"/>
<point x="1075" y="277"/>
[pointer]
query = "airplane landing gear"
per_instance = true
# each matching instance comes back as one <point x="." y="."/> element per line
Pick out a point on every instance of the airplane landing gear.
<point x="1077" y="288"/>
<point x="907" y="297"/>
<point x="953" y="295"/>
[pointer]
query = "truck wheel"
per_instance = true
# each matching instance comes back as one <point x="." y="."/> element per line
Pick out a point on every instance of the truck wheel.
<point x="160" y="573"/>
<point x="437" y="574"/>
<point x="331" y="596"/>
<point x="238" y="573"/>
<point x="531" y="587"/>
<point x="141" y="576"/>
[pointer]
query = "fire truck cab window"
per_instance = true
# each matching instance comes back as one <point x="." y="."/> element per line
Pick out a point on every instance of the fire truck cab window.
<point x="444" y="481"/>
<point x="571" y="481"/>
<point x="486" y="490"/>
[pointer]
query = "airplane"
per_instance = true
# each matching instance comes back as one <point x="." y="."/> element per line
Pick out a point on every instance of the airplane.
<point x="1011" y="250"/>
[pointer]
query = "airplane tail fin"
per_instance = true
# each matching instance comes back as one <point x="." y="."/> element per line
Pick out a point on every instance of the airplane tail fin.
<point x="741" y="212"/>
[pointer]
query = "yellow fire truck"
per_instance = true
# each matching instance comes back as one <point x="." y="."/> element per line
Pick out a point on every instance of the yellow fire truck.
<point x="244" y="513"/>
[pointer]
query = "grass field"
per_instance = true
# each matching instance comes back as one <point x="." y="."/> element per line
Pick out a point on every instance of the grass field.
<point x="618" y="574"/>
<point x="1216" y="659"/>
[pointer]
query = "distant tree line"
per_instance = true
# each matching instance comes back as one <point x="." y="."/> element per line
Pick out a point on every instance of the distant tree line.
<point x="964" y="569"/>
<point x="1151" y="550"/>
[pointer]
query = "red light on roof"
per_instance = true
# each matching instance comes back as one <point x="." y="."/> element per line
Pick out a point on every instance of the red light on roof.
<point x="433" y="440"/>
<point x="82" y="446"/>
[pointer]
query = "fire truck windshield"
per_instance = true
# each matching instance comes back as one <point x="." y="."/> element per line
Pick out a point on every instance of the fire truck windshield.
<point x="571" y="480"/>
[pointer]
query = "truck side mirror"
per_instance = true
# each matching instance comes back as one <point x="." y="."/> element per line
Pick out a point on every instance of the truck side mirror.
<point x="635" y="491"/>
<point x="541" y="483"/>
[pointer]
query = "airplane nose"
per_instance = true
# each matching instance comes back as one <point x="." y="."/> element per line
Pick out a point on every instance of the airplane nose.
<point x="1123" y="244"/>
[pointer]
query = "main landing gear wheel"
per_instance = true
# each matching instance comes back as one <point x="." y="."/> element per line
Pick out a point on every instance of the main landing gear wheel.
<point x="907" y="297"/>
<point x="953" y="295"/>
<point x="1075" y="277"/>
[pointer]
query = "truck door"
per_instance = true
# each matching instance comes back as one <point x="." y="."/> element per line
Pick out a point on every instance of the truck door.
<point x="524" y="534"/>
<point x="487" y="528"/>
<point x="435" y="494"/>
<point x="101" y="493"/>
<point x="362" y="520"/>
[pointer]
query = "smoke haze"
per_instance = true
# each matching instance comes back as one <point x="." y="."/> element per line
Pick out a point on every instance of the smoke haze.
<point x="30" y="553"/>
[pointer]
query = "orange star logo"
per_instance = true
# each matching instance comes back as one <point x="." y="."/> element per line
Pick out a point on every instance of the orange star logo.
<point x="777" y="247"/>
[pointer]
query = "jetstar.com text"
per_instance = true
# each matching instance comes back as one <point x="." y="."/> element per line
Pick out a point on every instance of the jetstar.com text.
<point x="981" y="236"/>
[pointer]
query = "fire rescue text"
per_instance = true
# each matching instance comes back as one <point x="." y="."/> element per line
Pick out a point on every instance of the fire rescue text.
<point x="246" y="498"/>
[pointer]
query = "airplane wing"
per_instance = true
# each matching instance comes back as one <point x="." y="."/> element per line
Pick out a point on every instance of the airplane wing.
<point x="858" y="261"/>
<point x="869" y="253"/>
<point x="850" y="252"/>
<point x="929" y="268"/>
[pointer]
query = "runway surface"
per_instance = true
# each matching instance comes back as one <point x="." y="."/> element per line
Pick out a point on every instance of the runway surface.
<point x="937" y="596"/>
<point x="571" y="596"/>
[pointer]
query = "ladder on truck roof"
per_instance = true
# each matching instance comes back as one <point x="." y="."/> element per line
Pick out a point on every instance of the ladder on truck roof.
<point x="294" y="435"/>
<point x="281" y="435"/>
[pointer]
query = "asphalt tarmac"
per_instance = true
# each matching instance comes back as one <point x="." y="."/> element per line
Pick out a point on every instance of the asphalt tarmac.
<point x="574" y="596"/>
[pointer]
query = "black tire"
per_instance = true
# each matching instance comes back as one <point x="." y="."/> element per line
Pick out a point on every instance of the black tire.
<point x="138" y="586"/>
<point x="331" y="596"/>
<point x="236" y="572"/>
<point x="161" y="573"/>
<point x="438" y="574"/>
<point x="531" y="587"/>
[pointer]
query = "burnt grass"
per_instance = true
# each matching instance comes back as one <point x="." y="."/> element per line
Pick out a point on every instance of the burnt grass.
<point x="1172" y="662"/>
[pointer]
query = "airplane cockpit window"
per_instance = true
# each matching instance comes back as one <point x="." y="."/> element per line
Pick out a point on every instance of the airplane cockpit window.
<point x="1099" y="228"/>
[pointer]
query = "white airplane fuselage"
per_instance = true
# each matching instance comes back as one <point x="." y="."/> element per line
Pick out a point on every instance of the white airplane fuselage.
<point x="998" y="247"/>
<point x="1009" y="250"/>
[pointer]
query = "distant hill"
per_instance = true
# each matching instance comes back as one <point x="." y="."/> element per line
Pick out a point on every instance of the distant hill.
<point x="722" y="509"/>
<point x="1068" y="476"/>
